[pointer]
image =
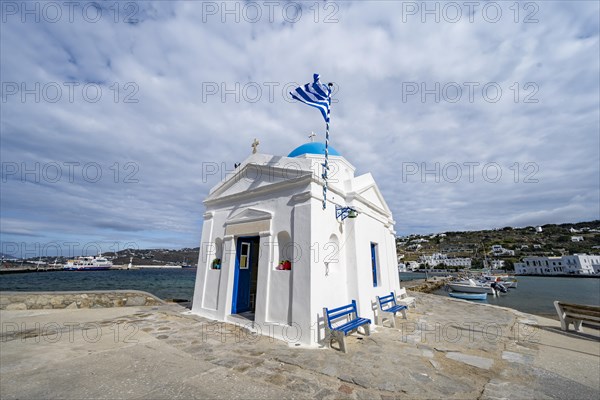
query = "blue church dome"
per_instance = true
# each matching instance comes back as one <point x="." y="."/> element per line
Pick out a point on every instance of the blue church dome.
<point x="313" y="148"/>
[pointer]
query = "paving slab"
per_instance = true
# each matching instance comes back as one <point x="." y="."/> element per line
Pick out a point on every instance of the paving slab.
<point x="445" y="349"/>
<point x="475" y="361"/>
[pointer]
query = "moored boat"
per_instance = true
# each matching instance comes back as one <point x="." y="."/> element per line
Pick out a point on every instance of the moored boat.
<point x="468" y="296"/>
<point x="88" y="263"/>
<point x="505" y="280"/>
<point x="470" y="286"/>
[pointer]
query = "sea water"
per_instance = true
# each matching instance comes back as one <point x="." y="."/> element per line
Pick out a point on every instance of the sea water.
<point x="165" y="283"/>
<point x="536" y="294"/>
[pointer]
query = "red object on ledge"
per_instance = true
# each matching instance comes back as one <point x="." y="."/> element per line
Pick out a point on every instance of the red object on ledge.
<point x="285" y="266"/>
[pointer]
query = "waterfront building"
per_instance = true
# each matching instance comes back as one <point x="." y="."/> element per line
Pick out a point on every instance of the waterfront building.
<point x="577" y="264"/>
<point x="271" y="257"/>
<point x="436" y="259"/>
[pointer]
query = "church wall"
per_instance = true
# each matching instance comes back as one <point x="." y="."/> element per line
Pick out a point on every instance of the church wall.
<point x="331" y="261"/>
<point x="329" y="264"/>
<point x="368" y="230"/>
<point x="202" y="277"/>
<point x="280" y="294"/>
<point x="214" y="288"/>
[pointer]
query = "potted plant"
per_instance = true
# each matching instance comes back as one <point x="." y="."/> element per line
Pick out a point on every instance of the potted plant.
<point x="284" y="265"/>
<point x="216" y="263"/>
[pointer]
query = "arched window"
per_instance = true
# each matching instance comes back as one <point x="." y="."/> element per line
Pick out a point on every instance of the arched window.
<point x="285" y="251"/>
<point x="216" y="262"/>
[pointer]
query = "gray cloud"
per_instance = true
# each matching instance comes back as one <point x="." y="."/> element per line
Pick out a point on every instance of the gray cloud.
<point x="153" y="154"/>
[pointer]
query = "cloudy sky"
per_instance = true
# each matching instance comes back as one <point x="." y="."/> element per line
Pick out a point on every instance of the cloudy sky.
<point x="116" y="121"/>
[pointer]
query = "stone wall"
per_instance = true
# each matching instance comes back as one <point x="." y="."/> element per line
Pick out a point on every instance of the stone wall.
<point x="420" y="285"/>
<point x="72" y="300"/>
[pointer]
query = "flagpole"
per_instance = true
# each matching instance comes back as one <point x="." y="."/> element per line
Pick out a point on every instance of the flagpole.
<point x="326" y="165"/>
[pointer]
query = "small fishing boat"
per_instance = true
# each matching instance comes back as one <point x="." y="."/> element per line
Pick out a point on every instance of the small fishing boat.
<point x="505" y="280"/>
<point x="468" y="296"/>
<point x="469" y="286"/>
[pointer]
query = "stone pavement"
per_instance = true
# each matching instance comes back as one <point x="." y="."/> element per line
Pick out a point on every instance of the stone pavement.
<point x="446" y="349"/>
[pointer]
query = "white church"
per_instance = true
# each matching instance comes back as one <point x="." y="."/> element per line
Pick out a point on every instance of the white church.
<point x="271" y="258"/>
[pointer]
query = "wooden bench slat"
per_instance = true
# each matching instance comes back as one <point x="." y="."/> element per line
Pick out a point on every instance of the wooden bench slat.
<point x="583" y="317"/>
<point x="580" y="306"/>
<point x="340" y="332"/>
<point x="395" y="308"/>
<point x="581" y="311"/>
<point x="347" y="308"/>
<point x="350" y="326"/>
<point x="576" y="314"/>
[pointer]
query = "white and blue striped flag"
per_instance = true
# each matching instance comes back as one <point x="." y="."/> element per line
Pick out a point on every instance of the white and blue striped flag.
<point x="319" y="96"/>
<point x="315" y="95"/>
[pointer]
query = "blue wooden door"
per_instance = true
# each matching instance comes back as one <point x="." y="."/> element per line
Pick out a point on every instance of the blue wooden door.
<point x="245" y="264"/>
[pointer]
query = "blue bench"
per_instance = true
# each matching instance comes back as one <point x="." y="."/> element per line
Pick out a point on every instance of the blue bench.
<point x="387" y="306"/>
<point x="339" y="333"/>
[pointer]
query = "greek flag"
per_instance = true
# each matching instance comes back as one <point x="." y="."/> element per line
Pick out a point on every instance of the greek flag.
<point x="316" y="95"/>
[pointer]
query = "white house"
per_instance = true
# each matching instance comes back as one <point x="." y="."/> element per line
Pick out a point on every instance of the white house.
<point x="436" y="259"/>
<point x="577" y="264"/>
<point x="576" y="238"/>
<point x="270" y="210"/>
<point x="498" y="250"/>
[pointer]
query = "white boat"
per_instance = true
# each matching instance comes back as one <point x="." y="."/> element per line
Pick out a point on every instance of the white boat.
<point x="468" y="296"/>
<point x="506" y="280"/>
<point x="470" y="286"/>
<point x="88" y="263"/>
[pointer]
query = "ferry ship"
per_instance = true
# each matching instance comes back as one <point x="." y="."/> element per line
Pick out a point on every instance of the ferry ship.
<point x="88" y="263"/>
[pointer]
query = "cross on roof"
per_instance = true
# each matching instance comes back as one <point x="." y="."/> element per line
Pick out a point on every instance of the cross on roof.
<point x="312" y="136"/>
<point x="254" y="146"/>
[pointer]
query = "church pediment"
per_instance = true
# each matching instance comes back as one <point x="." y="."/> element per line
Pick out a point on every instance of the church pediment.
<point x="252" y="177"/>
<point x="366" y="190"/>
<point x="248" y="215"/>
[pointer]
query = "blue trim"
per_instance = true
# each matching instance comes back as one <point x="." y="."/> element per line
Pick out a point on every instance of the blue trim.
<point x="374" y="263"/>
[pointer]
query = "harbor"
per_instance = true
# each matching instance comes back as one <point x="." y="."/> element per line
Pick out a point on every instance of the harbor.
<point x="326" y="200"/>
<point x="446" y="348"/>
<point x="534" y="295"/>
